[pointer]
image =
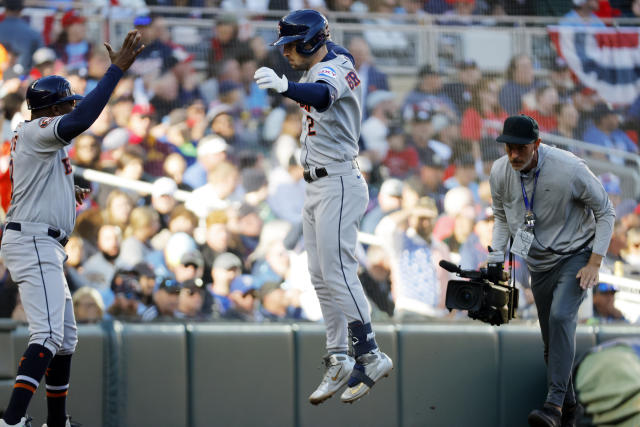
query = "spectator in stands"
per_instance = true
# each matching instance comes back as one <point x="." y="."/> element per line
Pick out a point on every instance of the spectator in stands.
<point x="217" y="240"/>
<point x="376" y="279"/>
<point x="245" y="224"/>
<point x="163" y="199"/>
<point x="225" y="43"/>
<point x="278" y="304"/>
<point x="418" y="284"/>
<point x="287" y="189"/>
<point x="155" y="151"/>
<point x="545" y="108"/>
<point x="462" y="88"/>
<point x="217" y="193"/>
<point x="389" y="200"/>
<point x="437" y="7"/>
<point x="143" y="225"/>
<point x="256" y="191"/>
<point x="371" y="78"/>
<point x="375" y="129"/>
<point x="182" y="220"/>
<point x="432" y="167"/>
<point x="421" y="130"/>
<point x="401" y="159"/>
<point x="155" y="59"/>
<point x="16" y="33"/>
<point x="460" y="14"/>
<point x="560" y="77"/>
<point x="430" y="89"/>
<point x="190" y="267"/>
<point x="567" y="116"/>
<point x="44" y="63"/>
<point x="520" y="82"/>
<point x="611" y="184"/>
<point x="226" y="267"/>
<point x="72" y="46"/>
<point x="178" y="86"/>
<point x="604" y="310"/>
<point x="605" y="132"/>
<point x="464" y="175"/>
<point x="484" y="117"/>
<point x="76" y="255"/>
<point x="99" y="268"/>
<point x="583" y="15"/>
<point x="288" y="140"/>
<point x="191" y="301"/>
<point x="242" y="293"/>
<point x="118" y="208"/>
<point x="88" y="306"/>
<point x="86" y="151"/>
<point x="254" y="100"/>
<point x="631" y="254"/>
<point x="175" y="167"/>
<point x="222" y="123"/>
<point x="212" y="150"/>
<point x="474" y="251"/>
<point x="165" y="301"/>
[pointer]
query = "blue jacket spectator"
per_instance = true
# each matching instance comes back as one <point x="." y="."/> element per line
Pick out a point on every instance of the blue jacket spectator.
<point x="520" y="81"/>
<point x="16" y="33"/>
<point x="605" y="132"/>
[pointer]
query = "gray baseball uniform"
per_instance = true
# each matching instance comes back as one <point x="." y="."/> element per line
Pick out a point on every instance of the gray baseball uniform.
<point x="335" y="204"/>
<point x="43" y="197"/>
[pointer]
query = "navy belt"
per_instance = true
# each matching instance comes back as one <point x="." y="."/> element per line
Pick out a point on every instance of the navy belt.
<point x="320" y="173"/>
<point x="52" y="232"/>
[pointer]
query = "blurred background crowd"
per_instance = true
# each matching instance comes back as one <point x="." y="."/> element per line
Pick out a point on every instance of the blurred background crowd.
<point x="216" y="232"/>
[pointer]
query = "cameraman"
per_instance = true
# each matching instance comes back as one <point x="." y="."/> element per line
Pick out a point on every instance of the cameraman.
<point x="563" y="238"/>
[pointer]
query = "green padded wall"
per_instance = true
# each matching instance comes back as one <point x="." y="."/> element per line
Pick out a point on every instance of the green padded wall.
<point x="153" y="375"/>
<point x="241" y="375"/>
<point x="378" y="408"/>
<point x="448" y="375"/>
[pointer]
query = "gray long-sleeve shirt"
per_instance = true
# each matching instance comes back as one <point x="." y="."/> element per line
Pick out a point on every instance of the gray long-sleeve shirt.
<point x="570" y="205"/>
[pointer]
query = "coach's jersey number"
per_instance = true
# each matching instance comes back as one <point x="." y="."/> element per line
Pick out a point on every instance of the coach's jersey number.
<point x="352" y="80"/>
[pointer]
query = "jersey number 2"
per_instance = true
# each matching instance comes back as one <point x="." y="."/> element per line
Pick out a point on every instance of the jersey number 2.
<point x="310" y="123"/>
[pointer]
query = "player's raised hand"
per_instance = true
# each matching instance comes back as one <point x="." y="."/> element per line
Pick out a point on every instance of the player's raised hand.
<point x="268" y="79"/>
<point x="130" y="49"/>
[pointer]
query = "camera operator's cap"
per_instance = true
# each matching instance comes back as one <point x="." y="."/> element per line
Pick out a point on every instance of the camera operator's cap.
<point x="425" y="207"/>
<point x="520" y="129"/>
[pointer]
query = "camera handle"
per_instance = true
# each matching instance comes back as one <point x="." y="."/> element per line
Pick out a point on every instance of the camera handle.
<point x="511" y="277"/>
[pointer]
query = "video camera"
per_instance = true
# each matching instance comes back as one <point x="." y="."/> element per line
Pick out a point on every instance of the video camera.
<point x="487" y="296"/>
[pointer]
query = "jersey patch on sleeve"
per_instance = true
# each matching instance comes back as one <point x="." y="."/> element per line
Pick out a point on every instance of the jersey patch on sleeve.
<point x="44" y="122"/>
<point x="328" y="72"/>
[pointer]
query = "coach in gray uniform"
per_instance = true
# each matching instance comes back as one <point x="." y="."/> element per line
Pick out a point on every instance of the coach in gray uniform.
<point x="561" y="221"/>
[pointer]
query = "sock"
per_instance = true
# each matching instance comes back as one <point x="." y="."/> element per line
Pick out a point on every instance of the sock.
<point x="31" y="369"/>
<point x="57" y="379"/>
<point x="362" y="338"/>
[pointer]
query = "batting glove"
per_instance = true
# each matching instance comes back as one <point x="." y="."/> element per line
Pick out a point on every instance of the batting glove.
<point x="268" y="79"/>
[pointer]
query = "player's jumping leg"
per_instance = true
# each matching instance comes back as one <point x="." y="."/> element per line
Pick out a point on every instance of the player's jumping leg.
<point x="338" y="364"/>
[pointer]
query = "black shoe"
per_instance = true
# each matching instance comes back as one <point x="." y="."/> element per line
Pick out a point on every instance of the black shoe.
<point x="548" y="416"/>
<point x="569" y="415"/>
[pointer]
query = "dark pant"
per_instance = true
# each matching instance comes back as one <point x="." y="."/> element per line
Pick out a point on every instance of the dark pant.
<point x="558" y="296"/>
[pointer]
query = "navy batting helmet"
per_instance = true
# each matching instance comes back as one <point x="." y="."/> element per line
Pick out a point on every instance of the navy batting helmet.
<point x="308" y="28"/>
<point x="48" y="91"/>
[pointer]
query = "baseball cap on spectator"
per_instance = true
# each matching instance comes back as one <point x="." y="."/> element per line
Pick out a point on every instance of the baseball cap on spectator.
<point x="428" y="70"/>
<point x="266" y="289"/>
<point x="243" y="283"/>
<point x="217" y="110"/>
<point x="602" y="109"/>
<point x="43" y="55"/>
<point x="116" y="138"/>
<point x="192" y="258"/>
<point x="246" y="209"/>
<point x="227" y="86"/>
<point x="227" y="261"/>
<point x="143" y="110"/>
<point x="142" y="21"/>
<point x="13" y="5"/>
<point x="177" y="245"/>
<point x="377" y="97"/>
<point x="604" y="287"/>
<point x="419" y="112"/>
<point x="169" y="285"/>
<point x="432" y="159"/>
<point x="72" y="17"/>
<point x="194" y="285"/>
<point x="143" y="269"/>
<point x="391" y="187"/>
<point x="395" y="129"/>
<point x="465" y="160"/>
<point x="253" y="179"/>
<point x="520" y="129"/>
<point x="164" y="186"/>
<point x="467" y="64"/>
<point x="611" y="183"/>
<point x="425" y="207"/>
<point x="211" y="144"/>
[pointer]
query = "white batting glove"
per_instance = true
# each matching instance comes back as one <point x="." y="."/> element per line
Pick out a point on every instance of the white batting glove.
<point x="268" y="79"/>
<point x="495" y="257"/>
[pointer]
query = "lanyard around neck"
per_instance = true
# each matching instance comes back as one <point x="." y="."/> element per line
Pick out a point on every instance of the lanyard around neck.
<point x="527" y="206"/>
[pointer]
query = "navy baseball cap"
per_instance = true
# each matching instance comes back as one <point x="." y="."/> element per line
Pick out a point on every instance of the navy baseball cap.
<point x="520" y="129"/>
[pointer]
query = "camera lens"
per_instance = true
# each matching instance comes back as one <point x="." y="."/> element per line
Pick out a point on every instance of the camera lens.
<point x="466" y="297"/>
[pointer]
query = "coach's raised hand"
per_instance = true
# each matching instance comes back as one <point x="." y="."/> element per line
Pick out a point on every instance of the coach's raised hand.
<point x="131" y="48"/>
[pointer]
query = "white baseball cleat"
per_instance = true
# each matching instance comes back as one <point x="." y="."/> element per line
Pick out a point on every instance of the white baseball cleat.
<point x="369" y="368"/>
<point x="24" y="422"/>
<point x="67" y="424"/>
<point x="338" y="371"/>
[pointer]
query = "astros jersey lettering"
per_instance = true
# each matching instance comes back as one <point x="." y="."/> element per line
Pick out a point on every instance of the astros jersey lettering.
<point x="43" y="190"/>
<point x="332" y="136"/>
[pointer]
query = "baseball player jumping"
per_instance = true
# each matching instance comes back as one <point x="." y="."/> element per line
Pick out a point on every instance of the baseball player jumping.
<point x="39" y="220"/>
<point x="329" y="94"/>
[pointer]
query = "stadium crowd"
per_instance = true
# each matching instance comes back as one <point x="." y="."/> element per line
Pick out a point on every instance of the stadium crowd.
<point x="219" y="235"/>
